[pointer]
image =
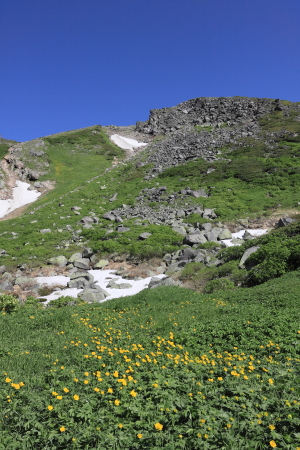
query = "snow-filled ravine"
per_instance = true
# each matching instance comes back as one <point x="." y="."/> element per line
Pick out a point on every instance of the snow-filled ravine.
<point x="126" y="143"/>
<point x="102" y="278"/>
<point x="21" y="197"/>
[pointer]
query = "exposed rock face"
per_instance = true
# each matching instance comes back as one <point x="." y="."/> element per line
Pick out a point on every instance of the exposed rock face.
<point x="206" y="111"/>
<point x="199" y="127"/>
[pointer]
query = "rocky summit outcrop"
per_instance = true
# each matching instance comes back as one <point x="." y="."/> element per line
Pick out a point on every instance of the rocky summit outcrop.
<point x="208" y="111"/>
<point x="200" y="127"/>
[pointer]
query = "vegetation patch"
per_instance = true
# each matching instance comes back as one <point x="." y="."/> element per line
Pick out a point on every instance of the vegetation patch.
<point x="168" y="368"/>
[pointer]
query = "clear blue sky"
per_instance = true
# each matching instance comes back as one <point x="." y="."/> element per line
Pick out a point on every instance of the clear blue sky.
<point x="67" y="64"/>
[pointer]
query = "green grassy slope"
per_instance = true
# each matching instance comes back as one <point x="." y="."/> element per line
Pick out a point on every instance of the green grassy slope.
<point x="168" y="368"/>
<point x="253" y="179"/>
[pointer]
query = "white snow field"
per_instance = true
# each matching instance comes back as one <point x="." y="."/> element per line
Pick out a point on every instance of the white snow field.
<point x="240" y="234"/>
<point x="102" y="277"/>
<point x="21" y="197"/>
<point x="126" y="143"/>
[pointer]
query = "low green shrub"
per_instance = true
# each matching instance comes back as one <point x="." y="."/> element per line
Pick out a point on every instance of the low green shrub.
<point x="219" y="284"/>
<point x="9" y="303"/>
<point x="62" y="301"/>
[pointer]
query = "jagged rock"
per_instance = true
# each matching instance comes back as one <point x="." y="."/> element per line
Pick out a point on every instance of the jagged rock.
<point x="247" y="236"/>
<point x="211" y="236"/>
<point x="284" y="221"/>
<point x="187" y="254"/>
<point x="59" y="261"/>
<point x="100" y="264"/>
<point x="225" y="234"/>
<point x="144" y="236"/>
<point x="248" y="252"/>
<point x="209" y="214"/>
<point x="82" y="263"/>
<point x="196" y="238"/>
<point x="108" y="216"/>
<point x="180" y="230"/>
<point x="2" y="269"/>
<point x="167" y="281"/>
<point x="45" y="230"/>
<point x="94" y="295"/>
<point x="74" y="257"/>
<point x="206" y="226"/>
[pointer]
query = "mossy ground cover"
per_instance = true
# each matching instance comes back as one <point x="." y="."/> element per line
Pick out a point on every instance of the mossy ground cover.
<point x="167" y="368"/>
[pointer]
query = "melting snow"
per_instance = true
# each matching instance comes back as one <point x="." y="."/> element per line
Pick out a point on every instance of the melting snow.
<point x="102" y="278"/>
<point x="126" y="143"/>
<point x="21" y="197"/>
<point x="240" y="234"/>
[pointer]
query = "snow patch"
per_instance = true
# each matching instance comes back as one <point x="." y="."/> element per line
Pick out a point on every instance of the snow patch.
<point x="126" y="143"/>
<point x="240" y="234"/>
<point x="102" y="278"/>
<point x="21" y="197"/>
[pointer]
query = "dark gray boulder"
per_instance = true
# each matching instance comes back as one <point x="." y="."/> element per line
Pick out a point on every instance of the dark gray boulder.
<point x="195" y="238"/>
<point x="284" y="221"/>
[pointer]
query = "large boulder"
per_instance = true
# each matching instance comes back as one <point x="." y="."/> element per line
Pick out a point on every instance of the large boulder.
<point x="108" y="216"/>
<point x="60" y="261"/>
<point x="100" y="264"/>
<point x="209" y="214"/>
<point x="80" y="280"/>
<point x="195" y="238"/>
<point x="284" y="221"/>
<point x="225" y="234"/>
<point x="94" y="295"/>
<point x="167" y="281"/>
<point x="82" y="263"/>
<point x="243" y="262"/>
<point x="74" y="257"/>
